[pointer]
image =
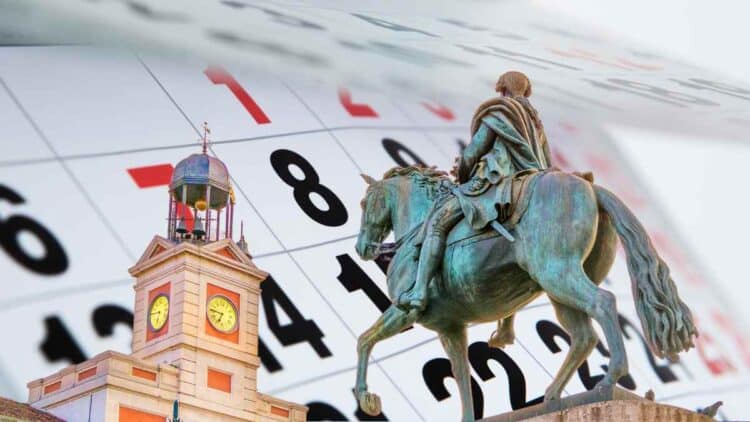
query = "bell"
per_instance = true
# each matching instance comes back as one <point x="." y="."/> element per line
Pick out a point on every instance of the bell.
<point x="198" y="230"/>
<point x="181" y="228"/>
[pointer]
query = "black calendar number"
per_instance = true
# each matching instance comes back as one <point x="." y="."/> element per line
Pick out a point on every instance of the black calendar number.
<point x="480" y="354"/>
<point x="548" y="331"/>
<point x="335" y="215"/>
<point x="54" y="260"/>
<point x="718" y="87"/>
<point x="653" y="92"/>
<point x="630" y="332"/>
<point x="299" y="329"/>
<point x="105" y="318"/>
<point x="399" y="152"/>
<point x="320" y="411"/>
<point x="437" y="370"/>
<point x="59" y="344"/>
<point x="267" y="358"/>
<point x="434" y="373"/>
<point x="353" y="278"/>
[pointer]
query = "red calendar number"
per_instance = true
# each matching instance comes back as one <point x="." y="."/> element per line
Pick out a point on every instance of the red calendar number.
<point x="743" y="344"/>
<point x="355" y="109"/>
<point x="160" y="175"/>
<point x="218" y="75"/>
<point x="440" y="110"/>
<point x="710" y="353"/>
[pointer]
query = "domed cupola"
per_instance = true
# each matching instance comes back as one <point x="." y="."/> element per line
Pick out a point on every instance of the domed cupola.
<point x="201" y="198"/>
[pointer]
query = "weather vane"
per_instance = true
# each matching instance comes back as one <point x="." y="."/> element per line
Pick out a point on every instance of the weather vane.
<point x="204" y="139"/>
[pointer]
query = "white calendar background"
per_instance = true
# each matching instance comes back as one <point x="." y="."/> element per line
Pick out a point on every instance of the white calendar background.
<point x="90" y="135"/>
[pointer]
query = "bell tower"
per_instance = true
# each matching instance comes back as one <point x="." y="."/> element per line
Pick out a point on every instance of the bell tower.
<point x="196" y="300"/>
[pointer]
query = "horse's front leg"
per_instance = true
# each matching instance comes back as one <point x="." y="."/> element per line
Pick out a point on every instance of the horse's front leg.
<point x="455" y="345"/>
<point x="390" y="323"/>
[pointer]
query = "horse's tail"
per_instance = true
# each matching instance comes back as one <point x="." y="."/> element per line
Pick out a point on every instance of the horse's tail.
<point x="666" y="321"/>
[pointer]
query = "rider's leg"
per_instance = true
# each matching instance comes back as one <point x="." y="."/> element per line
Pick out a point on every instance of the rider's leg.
<point x="433" y="248"/>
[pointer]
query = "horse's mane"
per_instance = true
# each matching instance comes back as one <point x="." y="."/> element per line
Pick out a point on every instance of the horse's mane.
<point x="428" y="178"/>
<point x="430" y="173"/>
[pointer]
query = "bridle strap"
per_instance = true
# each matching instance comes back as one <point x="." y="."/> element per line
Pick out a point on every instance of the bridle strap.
<point x="391" y="248"/>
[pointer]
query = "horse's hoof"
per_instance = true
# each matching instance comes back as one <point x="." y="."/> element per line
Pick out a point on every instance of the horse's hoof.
<point x="370" y="403"/>
<point x="500" y="340"/>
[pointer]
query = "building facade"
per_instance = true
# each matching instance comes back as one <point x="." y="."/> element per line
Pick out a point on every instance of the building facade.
<point x="195" y="329"/>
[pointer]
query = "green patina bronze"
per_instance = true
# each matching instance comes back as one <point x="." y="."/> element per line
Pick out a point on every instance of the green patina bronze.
<point x="564" y="230"/>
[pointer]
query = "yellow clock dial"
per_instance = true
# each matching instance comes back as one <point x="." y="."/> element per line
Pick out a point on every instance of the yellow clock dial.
<point x="158" y="312"/>
<point x="222" y="314"/>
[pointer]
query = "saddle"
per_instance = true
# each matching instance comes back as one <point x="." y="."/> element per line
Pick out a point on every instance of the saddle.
<point x="521" y="186"/>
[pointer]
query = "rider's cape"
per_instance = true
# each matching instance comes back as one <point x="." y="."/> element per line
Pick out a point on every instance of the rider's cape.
<point x="519" y="150"/>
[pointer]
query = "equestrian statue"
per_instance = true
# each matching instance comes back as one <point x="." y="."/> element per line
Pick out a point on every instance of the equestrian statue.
<point x="506" y="228"/>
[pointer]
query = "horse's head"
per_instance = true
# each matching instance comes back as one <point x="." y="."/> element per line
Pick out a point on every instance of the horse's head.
<point x="376" y="219"/>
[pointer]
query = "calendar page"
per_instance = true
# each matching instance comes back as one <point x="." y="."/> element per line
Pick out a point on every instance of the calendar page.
<point x="317" y="93"/>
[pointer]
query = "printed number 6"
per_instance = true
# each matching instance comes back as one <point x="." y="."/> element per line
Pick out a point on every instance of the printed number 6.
<point x="54" y="260"/>
<point x="335" y="215"/>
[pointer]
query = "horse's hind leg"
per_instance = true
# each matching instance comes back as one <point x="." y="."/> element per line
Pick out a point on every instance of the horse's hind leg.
<point x="504" y="335"/>
<point x="455" y="345"/>
<point x="583" y="339"/>
<point x="390" y="323"/>
<point x="566" y="282"/>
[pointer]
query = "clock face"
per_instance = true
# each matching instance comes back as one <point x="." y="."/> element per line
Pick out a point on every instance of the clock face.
<point x="222" y="314"/>
<point x="158" y="312"/>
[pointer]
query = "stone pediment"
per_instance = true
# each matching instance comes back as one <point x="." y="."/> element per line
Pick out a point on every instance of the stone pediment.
<point x="225" y="251"/>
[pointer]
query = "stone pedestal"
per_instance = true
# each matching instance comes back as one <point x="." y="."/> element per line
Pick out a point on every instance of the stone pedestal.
<point x="614" y="404"/>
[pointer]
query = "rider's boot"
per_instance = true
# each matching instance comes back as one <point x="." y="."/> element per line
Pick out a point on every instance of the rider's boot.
<point x="429" y="260"/>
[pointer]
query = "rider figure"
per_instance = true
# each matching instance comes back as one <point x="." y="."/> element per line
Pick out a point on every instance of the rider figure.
<point x="507" y="139"/>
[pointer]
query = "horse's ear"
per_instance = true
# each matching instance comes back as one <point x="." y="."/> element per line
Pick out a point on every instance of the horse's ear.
<point x="369" y="180"/>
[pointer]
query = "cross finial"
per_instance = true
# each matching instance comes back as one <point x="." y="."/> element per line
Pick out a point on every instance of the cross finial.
<point x="206" y="132"/>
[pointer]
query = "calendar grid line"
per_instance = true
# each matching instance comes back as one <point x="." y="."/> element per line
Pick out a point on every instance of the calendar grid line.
<point x="322" y="123"/>
<point x="376" y="361"/>
<point x="733" y="388"/>
<point x="391" y="355"/>
<point x="302" y="248"/>
<point x="31" y="161"/>
<point x="299" y="267"/>
<point x="71" y="157"/>
<point x="21" y="301"/>
<point x="108" y="225"/>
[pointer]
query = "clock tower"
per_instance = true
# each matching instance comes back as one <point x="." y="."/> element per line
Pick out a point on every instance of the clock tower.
<point x="195" y="325"/>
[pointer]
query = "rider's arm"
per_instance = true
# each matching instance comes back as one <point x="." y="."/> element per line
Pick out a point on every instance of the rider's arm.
<point x="480" y="144"/>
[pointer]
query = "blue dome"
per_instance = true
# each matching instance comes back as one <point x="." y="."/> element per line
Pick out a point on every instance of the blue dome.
<point x="194" y="175"/>
<point x="201" y="169"/>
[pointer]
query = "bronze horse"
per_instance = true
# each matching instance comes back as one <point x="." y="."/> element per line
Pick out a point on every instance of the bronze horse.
<point x="565" y="244"/>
